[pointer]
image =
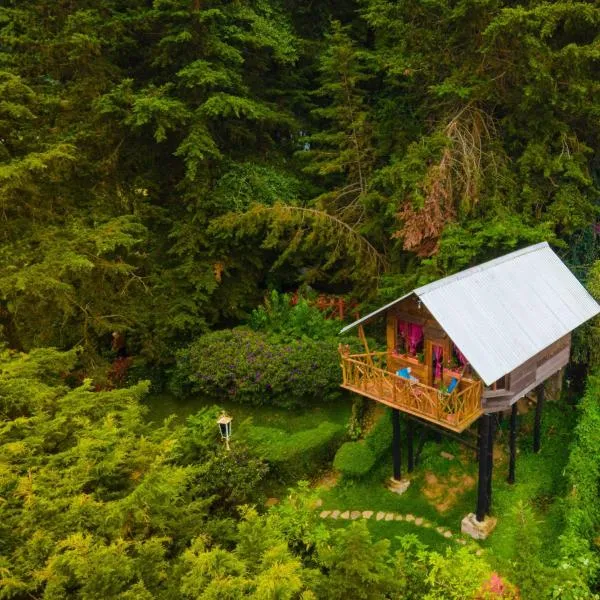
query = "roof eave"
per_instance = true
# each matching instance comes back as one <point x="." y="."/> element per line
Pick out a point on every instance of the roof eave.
<point x="375" y="313"/>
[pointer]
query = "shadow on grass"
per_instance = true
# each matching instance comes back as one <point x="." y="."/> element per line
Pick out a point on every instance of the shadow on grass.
<point x="161" y="406"/>
<point x="540" y="483"/>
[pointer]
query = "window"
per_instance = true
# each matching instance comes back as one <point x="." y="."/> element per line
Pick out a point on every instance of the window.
<point x="409" y="338"/>
<point x="500" y="384"/>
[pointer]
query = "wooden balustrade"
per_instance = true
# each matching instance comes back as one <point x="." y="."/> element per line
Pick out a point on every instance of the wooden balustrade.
<point x="454" y="411"/>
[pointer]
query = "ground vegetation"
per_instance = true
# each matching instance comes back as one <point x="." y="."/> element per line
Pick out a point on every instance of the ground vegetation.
<point x="179" y="181"/>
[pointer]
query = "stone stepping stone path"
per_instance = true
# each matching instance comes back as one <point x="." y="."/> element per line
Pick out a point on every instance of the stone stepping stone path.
<point x="390" y="516"/>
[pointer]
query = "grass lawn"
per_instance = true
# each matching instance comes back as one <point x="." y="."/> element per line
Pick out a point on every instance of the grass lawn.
<point x="539" y="482"/>
<point x="391" y="530"/>
<point x="161" y="406"/>
<point x="370" y="493"/>
<point x="290" y="440"/>
<point x="443" y="491"/>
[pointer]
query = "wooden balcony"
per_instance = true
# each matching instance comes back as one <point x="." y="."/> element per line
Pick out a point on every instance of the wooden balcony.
<point x="367" y="374"/>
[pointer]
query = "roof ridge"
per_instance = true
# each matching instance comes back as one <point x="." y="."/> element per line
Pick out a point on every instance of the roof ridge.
<point x="479" y="268"/>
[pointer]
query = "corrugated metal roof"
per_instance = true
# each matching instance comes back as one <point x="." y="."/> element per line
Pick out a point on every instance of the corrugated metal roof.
<point x="505" y="311"/>
<point x="374" y="313"/>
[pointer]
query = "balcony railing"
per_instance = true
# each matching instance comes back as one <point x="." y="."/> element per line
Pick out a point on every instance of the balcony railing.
<point x="365" y="374"/>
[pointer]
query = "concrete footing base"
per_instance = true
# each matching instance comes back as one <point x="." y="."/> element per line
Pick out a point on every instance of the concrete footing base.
<point x="478" y="530"/>
<point x="398" y="486"/>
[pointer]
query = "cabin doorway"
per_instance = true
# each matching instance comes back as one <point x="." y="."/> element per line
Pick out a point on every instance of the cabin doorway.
<point x="434" y="360"/>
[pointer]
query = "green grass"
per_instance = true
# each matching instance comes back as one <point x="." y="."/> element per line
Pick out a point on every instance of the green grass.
<point x="540" y="482"/>
<point x="161" y="406"/>
<point x="274" y="432"/>
<point x="392" y="530"/>
<point x="370" y="493"/>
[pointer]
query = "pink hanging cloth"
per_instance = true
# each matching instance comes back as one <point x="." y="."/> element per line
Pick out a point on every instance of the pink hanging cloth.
<point x="415" y="335"/>
<point x="462" y="359"/>
<point x="437" y="355"/>
<point x="403" y="331"/>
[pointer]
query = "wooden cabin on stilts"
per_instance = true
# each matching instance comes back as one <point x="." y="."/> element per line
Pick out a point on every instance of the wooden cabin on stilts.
<point x="467" y="347"/>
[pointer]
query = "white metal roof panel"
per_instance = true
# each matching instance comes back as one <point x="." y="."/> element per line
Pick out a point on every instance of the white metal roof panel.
<point x="505" y="311"/>
<point x="375" y="313"/>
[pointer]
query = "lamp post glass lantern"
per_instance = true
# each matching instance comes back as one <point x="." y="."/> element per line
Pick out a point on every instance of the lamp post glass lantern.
<point x="224" y="423"/>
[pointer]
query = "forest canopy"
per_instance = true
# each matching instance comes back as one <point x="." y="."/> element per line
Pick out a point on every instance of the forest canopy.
<point x="179" y="178"/>
<point x="163" y="164"/>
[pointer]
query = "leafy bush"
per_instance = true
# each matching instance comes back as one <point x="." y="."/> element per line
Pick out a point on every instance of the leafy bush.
<point x="580" y="564"/>
<point x="247" y="366"/>
<point x="355" y="423"/>
<point x="379" y="438"/>
<point x="354" y="459"/>
<point x="235" y="476"/>
<point x="290" y="322"/>
<point x="297" y="455"/>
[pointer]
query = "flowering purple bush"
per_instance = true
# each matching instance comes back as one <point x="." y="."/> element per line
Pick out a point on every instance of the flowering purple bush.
<point x="249" y="366"/>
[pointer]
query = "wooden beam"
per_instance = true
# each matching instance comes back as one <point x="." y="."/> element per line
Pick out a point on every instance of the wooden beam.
<point x="363" y="339"/>
<point x="390" y="332"/>
<point x="420" y="444"/>
<point x="484" y="437"/>
<point x="537" y="426"/>
<point x="409" y="439"/>
<point x="450" y="433"/>
<point x="490" y="461"/>
<point x="512" y="444"/>
<point x="396" y="441"/>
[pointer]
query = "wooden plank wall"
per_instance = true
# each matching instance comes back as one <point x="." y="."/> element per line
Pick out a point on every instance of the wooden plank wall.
<point x="529" y="375"/>
<point x="519" y="382"/>
<point x="413" y="311"/>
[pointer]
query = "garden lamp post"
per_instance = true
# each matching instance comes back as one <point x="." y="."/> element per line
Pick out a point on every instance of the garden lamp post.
<point x="224" y="423"/>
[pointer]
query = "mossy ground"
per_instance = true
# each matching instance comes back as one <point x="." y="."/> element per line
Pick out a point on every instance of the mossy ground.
<point x="161" y="406"/>
<point x="442" y="491"/>
<point x="539" y="481"/>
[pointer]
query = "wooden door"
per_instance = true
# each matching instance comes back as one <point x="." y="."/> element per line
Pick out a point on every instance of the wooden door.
<point x="430" y="362"/>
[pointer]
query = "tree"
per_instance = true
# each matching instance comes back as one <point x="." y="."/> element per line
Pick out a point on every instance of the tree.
<point x="97" y="502"/>
<point x="354" y="565"/>
<point x="342" y="148"/>
<point x="261" y="566"/>
<point x="528" y="572"/>
<point x="468" y="172"/>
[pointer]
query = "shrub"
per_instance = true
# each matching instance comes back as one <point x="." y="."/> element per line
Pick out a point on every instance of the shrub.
<point x="379" y="438"/>
<point x="288" y="322"/>
<point x="354" y="459"/>
<point x="579" y="561"/>
<point x="247" y="366"/>
<point x="294" y="456"/>
<point x="355" y="423"/>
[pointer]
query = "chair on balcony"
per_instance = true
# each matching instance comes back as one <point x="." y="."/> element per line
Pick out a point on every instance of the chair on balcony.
<point x="405" y="374"/>
<point x="452" y="385"/>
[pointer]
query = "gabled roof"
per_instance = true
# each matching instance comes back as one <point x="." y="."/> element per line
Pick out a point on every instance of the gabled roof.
<point x="505" y="311"/>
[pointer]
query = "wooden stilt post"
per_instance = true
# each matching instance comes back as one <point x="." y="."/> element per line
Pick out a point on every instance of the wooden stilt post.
<point x="539" y="390"/>
<point x="396" y="450"/>
<point x="409" y="439"/>
<point x="420" y="444"/>
<point x="363" y="339"/>
<point x="490" y="460"/>
<point x="512" y="444"/>
<point x="484" y="429"/>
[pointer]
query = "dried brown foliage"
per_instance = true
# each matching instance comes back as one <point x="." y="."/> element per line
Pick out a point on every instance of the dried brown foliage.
<point x="422" y="227"/>
<point x="452" y="184"/>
